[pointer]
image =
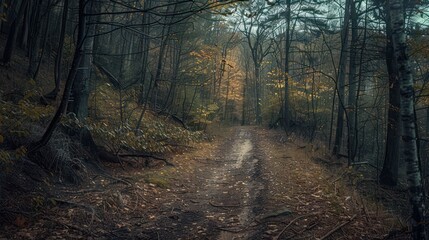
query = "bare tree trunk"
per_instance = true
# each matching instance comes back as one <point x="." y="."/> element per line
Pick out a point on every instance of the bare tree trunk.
<point x="45" y="39"/>
<point x="13" y="32"/>
<point x="389" y="173"/>
<point x="341" y="80"/>
<point x="351" y="146"/>
<point x="69" y="83"/>
<point x="286" y="110"/>
<point x="34" y="37"/>
<point x="59" y="56"/>
<point x="146" y="40"/>
<point x="79" y="105"/>
<point x="409" y="144"/>
<point x="225" y="110"/>
<point x="258" y="90"/>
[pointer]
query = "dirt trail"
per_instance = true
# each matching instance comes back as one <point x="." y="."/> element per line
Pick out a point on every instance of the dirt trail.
<point x="258" y="184"/>
<point x="251" y="183"/>
<point x="233" y="185"/>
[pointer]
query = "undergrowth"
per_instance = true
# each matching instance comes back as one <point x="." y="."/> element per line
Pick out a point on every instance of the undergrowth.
<point x="117" y="113"/>
<point x="23" y="120"/>
<point x="18" y="115"/>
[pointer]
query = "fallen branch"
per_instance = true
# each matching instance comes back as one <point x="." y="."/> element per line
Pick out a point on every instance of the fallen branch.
<point x="224" y="206"/>
<point x="144" y="155"/>
<point x="337" y="228"/>
<point x="278" y="213"/>
<point x="290" y="223"/>
<point x="82" y="191"/>
<point x="117" y="179"/>
<point x="231" y="230"/>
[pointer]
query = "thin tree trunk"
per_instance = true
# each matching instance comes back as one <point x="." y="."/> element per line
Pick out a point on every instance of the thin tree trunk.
<point x="146" y="101"/>
<point x="165" y="37"/>
<point x="258" y="99"/>
<point x="13" y="32"/>
<point x="145" y="48"/>
<point x="351" y="146"/>
<point x="58" y="58"/>
<point x="69" y="83"/>
<point x="45" y="40"/>
<point x="226" y="98"/>
<point x="34" y="39"/>
<point x="341" y="80"/>
<point x="286" y="110"/>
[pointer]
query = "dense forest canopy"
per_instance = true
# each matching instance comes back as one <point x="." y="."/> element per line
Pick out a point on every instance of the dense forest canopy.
<point x="141" y="78"/>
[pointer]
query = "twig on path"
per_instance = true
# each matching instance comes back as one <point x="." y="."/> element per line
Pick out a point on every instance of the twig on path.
<point x="281" y="212"/>
<point x="338" y="227"/>
<point x="83" y="191"/>
<point x="231" y="230"/>
<point x="144" y="155"/>
<point x="118" y="180"/>
<point x="290" y="223"/>
<point x="224" y="206"/>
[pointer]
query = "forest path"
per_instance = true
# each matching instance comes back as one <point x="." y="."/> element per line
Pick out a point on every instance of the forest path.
<point x="254" y="183"/>
<point x="248" y="183"/>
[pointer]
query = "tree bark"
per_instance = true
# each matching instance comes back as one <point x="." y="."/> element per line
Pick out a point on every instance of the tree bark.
<point x="341" y="80"/>
<point x="13" y="32"/>
<point x="34" y="37"/>
<point x="59" y="56"/>
<point x="286" y="110"/>
<point x="351" y="140"/>
<point x="69" y="83"/>
<point x="146" y="40"/>
<point x="409" y="144"/>
<point x="79" y="105"/>
<point x="389" y="173"/>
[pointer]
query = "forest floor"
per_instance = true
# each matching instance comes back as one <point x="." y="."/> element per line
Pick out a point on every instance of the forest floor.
<point x="247" y="183"/>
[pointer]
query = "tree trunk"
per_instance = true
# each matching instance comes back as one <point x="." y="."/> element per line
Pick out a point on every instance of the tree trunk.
<point x="79" y="105"/>
<point x="34" y="37"/>
<point x="59" y="56"/>
<point x="258" y="101"/>
<point x="13" y="32"/>
<point x="351" y="146"/>
<point x="389" y="173"/>
<point x="286" y="110"/>
<point x="69" y="83"/>
<point x="409" y="144"/>
<point x="164" y="41"/>
<point x="145" y="48"/>
<point x="341" y="80"/>
<point x="45" y="40"/>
